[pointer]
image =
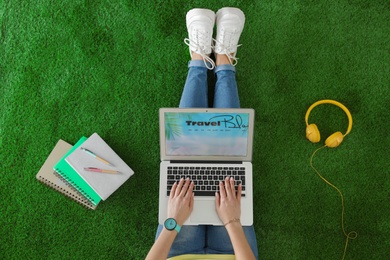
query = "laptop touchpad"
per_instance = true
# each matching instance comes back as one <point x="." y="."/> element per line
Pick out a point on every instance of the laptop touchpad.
<point x="204" y="212"/>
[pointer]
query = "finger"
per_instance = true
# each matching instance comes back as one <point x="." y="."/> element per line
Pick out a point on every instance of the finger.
<point x="227" y="187"/>
<point x="232" y="187"/>
<point x="190" y="190"/>
<point x="173" y="190"/>
<point x="222" y="191"/>
<point x="179" y="187"/>
<point x="217" y="200"/>
<point x="183" y="191"/>
<point x="192" y="201"/>
<point x="239" y="191"/>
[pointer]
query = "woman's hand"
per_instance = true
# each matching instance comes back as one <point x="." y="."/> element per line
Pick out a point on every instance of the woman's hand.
<point x="180" y="205"/>
<point x="228" y="202"/>
<point x="181" y="201"/>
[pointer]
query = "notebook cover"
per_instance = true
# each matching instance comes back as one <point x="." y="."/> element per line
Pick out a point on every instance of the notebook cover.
<point x="71" y="176"/>
<point x="49" y="177"/>
<point x="103" y="183"/>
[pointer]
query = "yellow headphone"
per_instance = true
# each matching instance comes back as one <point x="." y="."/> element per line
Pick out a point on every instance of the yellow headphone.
<point x="312" y="132"/>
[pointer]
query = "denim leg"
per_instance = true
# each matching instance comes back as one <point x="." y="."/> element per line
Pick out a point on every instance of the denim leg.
<point x="226" y="92"/>
<point x="190" y="240"/>
<point x="195" y="89"/>
<point x="219" y="242"/>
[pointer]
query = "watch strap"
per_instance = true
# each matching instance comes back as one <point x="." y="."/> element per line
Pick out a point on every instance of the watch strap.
<point x="177" y="228"/>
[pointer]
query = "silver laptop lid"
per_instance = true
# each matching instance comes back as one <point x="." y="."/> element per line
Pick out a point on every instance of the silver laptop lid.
<point x="206" y="134"/>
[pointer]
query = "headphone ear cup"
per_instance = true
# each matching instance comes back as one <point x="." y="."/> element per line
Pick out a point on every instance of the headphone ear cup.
<point x="334" y="140"/>
<point x="312" y="133"/>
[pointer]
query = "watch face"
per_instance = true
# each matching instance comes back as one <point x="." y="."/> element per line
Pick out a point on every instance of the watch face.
<point x="170" y="224"/>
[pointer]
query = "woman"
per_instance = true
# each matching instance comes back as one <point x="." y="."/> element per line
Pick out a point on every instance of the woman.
<point x="231" y="241"/>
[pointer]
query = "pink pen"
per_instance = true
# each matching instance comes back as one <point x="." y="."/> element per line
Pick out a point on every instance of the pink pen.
<point x="93" y="169"/>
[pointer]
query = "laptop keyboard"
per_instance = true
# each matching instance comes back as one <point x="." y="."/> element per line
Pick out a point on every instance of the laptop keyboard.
<point x="206" y="179"/>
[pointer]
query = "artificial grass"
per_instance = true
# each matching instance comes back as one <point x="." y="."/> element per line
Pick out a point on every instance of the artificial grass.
<point x="71" y="68"/>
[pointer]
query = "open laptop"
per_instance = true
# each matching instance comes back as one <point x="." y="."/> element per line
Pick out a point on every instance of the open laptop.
<point x="206" y="145"/>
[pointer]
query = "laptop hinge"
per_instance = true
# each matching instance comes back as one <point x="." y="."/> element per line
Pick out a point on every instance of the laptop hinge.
<point x="208" y="162"/>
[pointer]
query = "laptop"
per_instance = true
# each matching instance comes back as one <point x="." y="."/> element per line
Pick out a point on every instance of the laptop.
<point x="206" y="145"/>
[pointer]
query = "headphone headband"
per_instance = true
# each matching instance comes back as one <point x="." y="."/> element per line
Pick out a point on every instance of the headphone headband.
<point x="333" y="102"/>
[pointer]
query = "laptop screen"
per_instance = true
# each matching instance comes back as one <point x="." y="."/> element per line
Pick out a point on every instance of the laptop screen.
<point x="207" y="134"/>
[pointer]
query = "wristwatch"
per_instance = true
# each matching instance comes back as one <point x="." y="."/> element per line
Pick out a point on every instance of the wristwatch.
<point x="171" y="224"/>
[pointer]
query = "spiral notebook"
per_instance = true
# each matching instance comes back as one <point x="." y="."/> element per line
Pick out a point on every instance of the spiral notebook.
<point x="71" y="176"/>
<point x="104" y="184"/>
<point x="49" y="177"/>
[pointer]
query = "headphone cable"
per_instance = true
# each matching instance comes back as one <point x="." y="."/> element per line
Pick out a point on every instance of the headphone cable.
<point x="352" y="234"/>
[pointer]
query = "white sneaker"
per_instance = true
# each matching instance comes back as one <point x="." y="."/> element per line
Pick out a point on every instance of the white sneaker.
<point x="200" y="26"/>
<point x="230" y="23"/>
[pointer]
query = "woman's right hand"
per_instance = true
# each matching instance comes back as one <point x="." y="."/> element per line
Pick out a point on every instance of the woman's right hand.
<point x="181" y="201"/>
<point x="228" y="201"/>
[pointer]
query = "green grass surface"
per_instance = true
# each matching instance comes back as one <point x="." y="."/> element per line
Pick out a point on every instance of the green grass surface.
<point x="71" y="68"/>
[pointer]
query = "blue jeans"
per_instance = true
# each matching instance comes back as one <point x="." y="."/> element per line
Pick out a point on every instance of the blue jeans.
<point x="208" y="239"/>
<point x="195" y="92"/>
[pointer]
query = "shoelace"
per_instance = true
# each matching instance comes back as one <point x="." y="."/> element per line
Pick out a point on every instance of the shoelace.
<point x="200" y="50"/>
<point x="228" y="50"/>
